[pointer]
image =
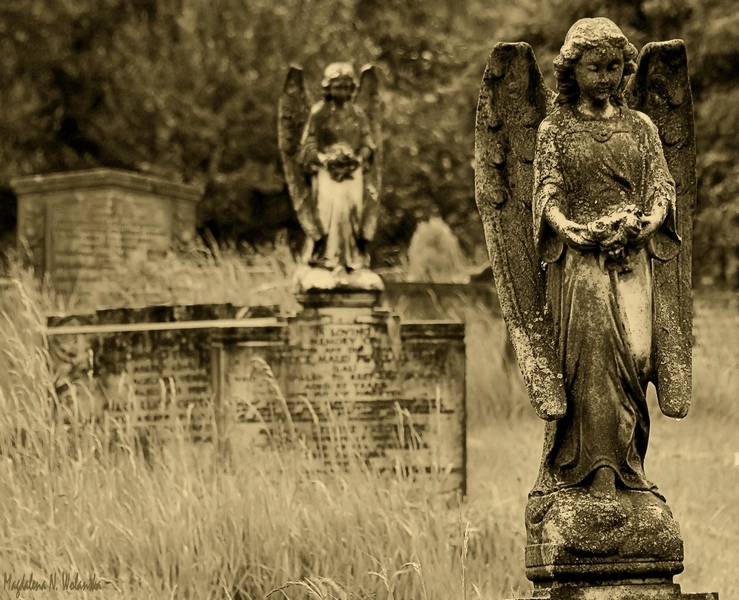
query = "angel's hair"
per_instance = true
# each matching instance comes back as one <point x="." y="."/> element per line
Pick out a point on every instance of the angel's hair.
<point x="584" y="35"/>
<point x="336" y="71"/>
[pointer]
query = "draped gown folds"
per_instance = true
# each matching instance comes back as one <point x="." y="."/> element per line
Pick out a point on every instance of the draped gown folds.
<point x="343" y="212"/>
<point x="601" y="308"/>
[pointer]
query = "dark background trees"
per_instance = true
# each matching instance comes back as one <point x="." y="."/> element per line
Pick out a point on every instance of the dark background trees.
<point x="188" y="89"/>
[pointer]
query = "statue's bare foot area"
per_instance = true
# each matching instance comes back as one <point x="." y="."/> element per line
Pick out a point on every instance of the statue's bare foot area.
<point x="604" y="484"/>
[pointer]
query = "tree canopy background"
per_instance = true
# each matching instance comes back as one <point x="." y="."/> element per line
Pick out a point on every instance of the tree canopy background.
<point x="188" y="89"/>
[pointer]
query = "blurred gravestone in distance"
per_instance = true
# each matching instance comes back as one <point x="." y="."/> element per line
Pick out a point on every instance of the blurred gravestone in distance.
<point x="80" y="226"/>
<point x="434" y="254"/>
<point x="343" y="384"/>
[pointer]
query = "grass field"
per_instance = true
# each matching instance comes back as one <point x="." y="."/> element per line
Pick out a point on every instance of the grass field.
<point x="189" y="526"/>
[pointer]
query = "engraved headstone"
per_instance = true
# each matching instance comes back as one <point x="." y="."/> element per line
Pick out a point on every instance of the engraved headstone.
<point x="351" y="381"/>
<point x="151" y="365"/>
<point x="79" y="226"/>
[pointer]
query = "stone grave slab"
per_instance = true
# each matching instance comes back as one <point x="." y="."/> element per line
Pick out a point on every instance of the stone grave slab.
<point x="151" y="365"/>
<point x="79" y="226"/>
<point x="348" y="382"/>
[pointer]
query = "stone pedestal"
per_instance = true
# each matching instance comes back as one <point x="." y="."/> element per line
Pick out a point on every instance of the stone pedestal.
<point x="625" y="590"/>
<point x="573" y="534"/>
<point x="80" y="226"/>
<point x="350" y="381"/>
<point x="584" y="547"/>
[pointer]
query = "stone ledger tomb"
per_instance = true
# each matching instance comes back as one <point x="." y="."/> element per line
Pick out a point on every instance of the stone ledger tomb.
<point x="352" y="380"/>
<point x="348" y="381"/>
<point x="82" y="225"/>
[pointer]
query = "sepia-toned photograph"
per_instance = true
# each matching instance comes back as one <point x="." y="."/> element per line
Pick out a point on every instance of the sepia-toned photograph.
<point x="369" y="299"/>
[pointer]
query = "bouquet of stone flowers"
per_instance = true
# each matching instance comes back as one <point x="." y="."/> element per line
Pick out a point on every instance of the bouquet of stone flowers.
<point x="340" y="161"/>
<point x="614" y="231"/>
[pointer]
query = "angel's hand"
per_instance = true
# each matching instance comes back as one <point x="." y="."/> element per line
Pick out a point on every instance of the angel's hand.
<point x="318" y="160"/>
<point x="650" y="224"/>
<point x="577" y="236"/>
<point x="573" y="234"/>
<point x="312" y="161"/>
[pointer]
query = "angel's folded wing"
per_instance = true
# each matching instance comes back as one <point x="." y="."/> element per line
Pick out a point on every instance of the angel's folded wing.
<point x="660" y="88"/>
<point x="293" y="112"/>
<point x="368" y="98"/>
<point x="513" y="101"/>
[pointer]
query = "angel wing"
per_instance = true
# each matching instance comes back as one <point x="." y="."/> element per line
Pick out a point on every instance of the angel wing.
<point x="368" y="98"/>
<point x="293" y="111"/>
<point x="513" y="101"/>
<point x="661" y="89"/>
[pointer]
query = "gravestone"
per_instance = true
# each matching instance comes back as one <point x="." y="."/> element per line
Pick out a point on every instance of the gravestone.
<point x="345" y="381"/>
<point x="352" y="380"/>
<point x="83" y="225"/>
<point x="151" y="365"/>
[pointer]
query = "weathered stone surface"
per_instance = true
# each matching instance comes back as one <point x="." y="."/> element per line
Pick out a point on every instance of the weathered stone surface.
<point x="312" y="280"/>
<point x="340" y="300"/>
<point x="351" y="381"/>
<point x="152" y="364"/>
<point x="651" y="589"/>
<point x="571" y="533"/>
<point x="607" y="310"/>
<point x="81" y="225"/>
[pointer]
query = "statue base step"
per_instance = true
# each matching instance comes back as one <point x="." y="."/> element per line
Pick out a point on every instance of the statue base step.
<point x="551" y="562"/>
<point x="340" y="299"/>
<point x="617" y="591"/>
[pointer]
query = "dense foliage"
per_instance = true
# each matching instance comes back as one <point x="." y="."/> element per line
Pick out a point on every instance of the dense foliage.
<point x="189" y="89"/>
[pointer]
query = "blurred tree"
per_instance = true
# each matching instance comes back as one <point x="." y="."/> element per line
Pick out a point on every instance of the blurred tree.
<point x="188" y="89"/>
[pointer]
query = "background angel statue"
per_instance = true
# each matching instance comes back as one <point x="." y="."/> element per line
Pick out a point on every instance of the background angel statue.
<point x="330" y="154"/>
<point x="590" y="247"/>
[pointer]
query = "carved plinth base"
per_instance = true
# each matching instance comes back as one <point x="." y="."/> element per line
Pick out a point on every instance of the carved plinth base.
<point x="312" y="280"/>
<point x="573" y="535"/>
<point x="550" y="562"/>
<point x="645" y="590"/>
<point x="340" y="299"/>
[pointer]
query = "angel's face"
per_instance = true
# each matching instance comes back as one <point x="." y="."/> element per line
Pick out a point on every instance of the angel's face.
<point x="599" y="72"/>
<point x="341" y="89"/>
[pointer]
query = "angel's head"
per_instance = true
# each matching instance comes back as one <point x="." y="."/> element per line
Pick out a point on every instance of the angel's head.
<point x="339" y="82"/>
<point x="596" y="59"/>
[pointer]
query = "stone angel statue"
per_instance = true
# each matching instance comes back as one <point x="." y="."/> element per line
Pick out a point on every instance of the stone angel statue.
<point x="586" y="197"/>
<point x="331" y="155"/>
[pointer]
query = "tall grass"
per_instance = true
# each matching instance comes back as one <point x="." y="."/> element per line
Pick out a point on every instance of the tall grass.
<point x="203" y="275"/>
<point x="188" y="524"/>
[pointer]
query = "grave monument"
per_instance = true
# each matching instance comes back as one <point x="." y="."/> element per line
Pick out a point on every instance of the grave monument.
<point x="344" y="377"/>
<point x="349" y="373"/>
<point x="80" y="226"/>
<point x="587" y="198"/>
<point x="332" y="156"/>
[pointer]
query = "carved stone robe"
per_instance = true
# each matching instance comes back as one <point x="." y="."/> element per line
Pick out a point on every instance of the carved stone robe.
<point x="342" y="211"/>
<point x="602" y="312"/>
